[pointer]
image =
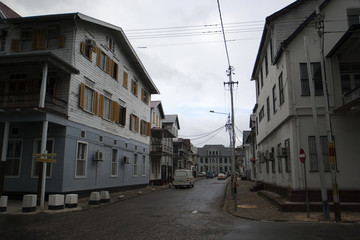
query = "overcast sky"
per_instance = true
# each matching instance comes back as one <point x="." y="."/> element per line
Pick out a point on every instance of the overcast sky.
<point x="181" y="46"/>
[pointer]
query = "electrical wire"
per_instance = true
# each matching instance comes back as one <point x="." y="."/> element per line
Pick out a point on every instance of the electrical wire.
<point x="223" y="33"/>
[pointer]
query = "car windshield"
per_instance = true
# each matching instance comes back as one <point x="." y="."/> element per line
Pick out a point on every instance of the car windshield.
<point x="180" y="174"/>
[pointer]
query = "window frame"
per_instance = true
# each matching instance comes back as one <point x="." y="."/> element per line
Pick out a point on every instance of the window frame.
<point x="135" y="165"/>
<point x="85" y="160"/>
<point x="316" y="76"/>
<point x="114" y="167"/>
<point x="11" y="159"/>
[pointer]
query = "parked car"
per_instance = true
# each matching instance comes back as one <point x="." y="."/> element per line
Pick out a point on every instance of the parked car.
<point x="201" y="174"/>
<point x="242" y="176"/>
<point x="183" y="178"/>
<point x="210" y="175"/>
<point x="221" y="176"/>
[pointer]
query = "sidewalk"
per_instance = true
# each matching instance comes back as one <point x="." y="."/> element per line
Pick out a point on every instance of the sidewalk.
<point x="251" y="206"/>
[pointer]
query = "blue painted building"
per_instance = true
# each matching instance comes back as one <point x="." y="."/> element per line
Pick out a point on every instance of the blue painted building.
<point x="76" y="82"/>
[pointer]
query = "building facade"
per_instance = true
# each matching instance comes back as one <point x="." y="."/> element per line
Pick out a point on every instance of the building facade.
<point x="214" y="158"/>
<point x="72" y="85"/>
<point x="162" y="135"/>
<point x="284" y="120"/>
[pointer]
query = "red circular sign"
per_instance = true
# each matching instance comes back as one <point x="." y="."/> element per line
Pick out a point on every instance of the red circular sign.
<point x="302" y="155"/>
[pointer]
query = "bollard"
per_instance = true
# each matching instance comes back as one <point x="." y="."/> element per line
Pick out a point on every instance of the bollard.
<point x="3" y="203"/>
<point x="94" y="198"/>
<point x="71" y="200"/>
<point x="105" y="196"/>
<point x="29" y="203"/>
<point x="56" y="202"/>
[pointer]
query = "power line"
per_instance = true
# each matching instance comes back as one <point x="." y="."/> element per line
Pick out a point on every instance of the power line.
<point x="223" y="33"/>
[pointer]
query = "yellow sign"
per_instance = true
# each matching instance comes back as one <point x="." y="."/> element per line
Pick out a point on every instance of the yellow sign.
<point x="45" y="155"/>
<point x="48" y="160"/>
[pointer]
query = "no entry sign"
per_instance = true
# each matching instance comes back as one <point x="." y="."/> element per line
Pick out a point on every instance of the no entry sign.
<point x="302" y="155"/>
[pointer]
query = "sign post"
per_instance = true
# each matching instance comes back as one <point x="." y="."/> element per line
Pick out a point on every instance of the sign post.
<point x="302" y="157"/>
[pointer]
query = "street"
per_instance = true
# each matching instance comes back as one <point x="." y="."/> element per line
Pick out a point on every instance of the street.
<point x="194" y="213"/>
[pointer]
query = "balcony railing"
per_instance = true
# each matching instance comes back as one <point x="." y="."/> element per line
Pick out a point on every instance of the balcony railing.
<point x="351" y="96"/>
<point x="28" y="101"/>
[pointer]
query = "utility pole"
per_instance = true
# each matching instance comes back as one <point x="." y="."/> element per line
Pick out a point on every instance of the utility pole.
<point x="324" y="198"/>
<point x="331" y="143"/>
<point x="232" y="138"/>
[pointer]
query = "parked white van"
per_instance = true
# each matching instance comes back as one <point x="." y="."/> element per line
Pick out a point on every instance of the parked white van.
<point x="183" y="178"/>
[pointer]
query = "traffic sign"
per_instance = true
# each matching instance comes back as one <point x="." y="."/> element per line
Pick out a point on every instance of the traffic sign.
<point x="44" y="155"/>
<point x="48" y="160"/>
<point x="302" y="155"/>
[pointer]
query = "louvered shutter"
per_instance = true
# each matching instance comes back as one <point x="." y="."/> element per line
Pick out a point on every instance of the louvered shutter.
<point x="101" y="107"/>
<point x="15" y="45"/>
<point x="82" y="95"/>
<point x="98" y="57"/>
<point x="82" y="48"/>
<point x="148" y="127"/>
<point x="96" y="103"/>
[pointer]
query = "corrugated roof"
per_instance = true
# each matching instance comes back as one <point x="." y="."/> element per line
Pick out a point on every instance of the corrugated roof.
<point x="6" y="12"/>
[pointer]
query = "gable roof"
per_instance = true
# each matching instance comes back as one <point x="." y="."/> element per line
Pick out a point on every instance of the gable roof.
<point x="291" y="37"/>
<point x="6" y="12"/>
<point x="172" y="118"/>
<point x="117" y="31"/>
<point x="157" y="104"/>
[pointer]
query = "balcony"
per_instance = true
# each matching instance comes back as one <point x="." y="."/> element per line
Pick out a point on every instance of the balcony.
<point x="30" y="101"/>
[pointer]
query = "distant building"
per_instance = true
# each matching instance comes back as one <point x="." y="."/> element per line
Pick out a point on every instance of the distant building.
<point x="214" y="158"/>
<point x="163" y="131"/>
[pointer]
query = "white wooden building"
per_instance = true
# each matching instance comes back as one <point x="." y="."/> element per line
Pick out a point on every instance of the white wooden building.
<point x="283" y="111"/>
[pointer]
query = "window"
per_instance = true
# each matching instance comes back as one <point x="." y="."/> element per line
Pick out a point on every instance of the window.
<point x="37" y="166"/>
<point x="86" y="50"/>
<point x="26" y="40"/>
<point x="110" y="43"/>
<point x="122" y="115"/>
<point x="115" y="70"/>
<point x="143" y="165"/>
<point x="134" y="87"/>
<point x="281" y="90"/>
<point x="279" y="158"/>
<point x="144" y="96"/>
<point x="52" y="37"/>
<point x="261" y="114"/>
<point x="107" y="106"/>
<point x="313" y="153"/>
<point x="135" y="165"/>
<point x="266" y="65"/>
<point x="257" y="87"/>
<point x="268" y="108"/>
<point x="81" y="156"/>
<point x="13" y="158"/>
<point x="316" y="75"/>
<point x="350" y="77"/>
<point x="125" y="79"/>
<point x="353" y="16"/>
<point x="103" y="61"/>
<point x="114" y="163"/>
<point x="134" y="123"/>
<point x="87" y="98"/>
<point x="261" y="77"/>
<point x="273" y="169"/>
<point x="274" y="99"/>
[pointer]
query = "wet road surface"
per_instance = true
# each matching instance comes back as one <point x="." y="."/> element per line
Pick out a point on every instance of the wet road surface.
<point x="194" y="213"/>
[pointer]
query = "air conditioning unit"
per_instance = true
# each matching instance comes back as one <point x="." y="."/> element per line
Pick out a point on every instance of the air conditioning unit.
<point x="126" y="160"/>
<point x="90" y="42"/>
<point x="99" y="156"/>
<point x="284" y="152"/>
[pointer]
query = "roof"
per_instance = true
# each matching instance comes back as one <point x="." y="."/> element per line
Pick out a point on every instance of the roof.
<point x="291" y="37"/>
<point x="172" y="118"/>
<point x="6" y="12"/>
<point x="117" y="31"/>
<point x="157" y="104"/>
<point x="223" y="151"/>
<point x="349" y="39"/>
